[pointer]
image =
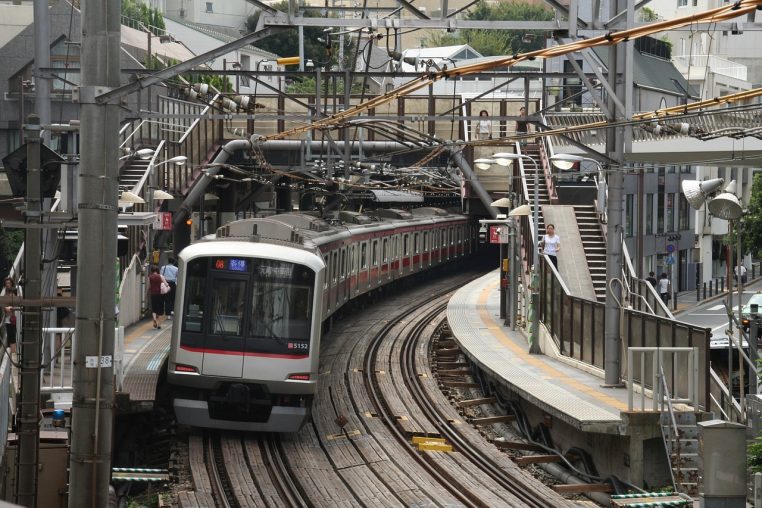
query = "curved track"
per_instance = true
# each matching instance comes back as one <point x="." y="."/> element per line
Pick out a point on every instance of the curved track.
<point x="375" y="394"/>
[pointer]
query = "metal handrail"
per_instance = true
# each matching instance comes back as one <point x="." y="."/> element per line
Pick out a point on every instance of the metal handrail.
<point x="724" y="390"/>
<point x="671" y="428"/>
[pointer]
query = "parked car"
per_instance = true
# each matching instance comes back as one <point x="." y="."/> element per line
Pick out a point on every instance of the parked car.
<point x="746" y="313"/>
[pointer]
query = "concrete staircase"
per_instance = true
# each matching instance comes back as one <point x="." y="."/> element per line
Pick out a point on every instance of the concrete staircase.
<point x="594" y="245"/>
<point x="682" y="450"/>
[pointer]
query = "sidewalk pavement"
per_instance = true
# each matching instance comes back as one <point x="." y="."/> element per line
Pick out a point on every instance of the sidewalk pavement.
<point x="686" y="300"/>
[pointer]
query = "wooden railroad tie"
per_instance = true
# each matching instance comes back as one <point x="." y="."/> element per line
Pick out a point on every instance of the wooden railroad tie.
<point x="454" y="372"/>
<point x="452" y="365"/>
<point x="489" y="420"/>
<point x="536" y="459"/>
<point x="517" y="445"/>
<point x="458" y="384"/>
<point x="477" y="402"/>
<point x="581" y="488"/>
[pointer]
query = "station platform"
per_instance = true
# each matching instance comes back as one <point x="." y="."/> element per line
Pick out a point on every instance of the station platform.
<point x="556" y="386"/>
<point x="145" y="349"/>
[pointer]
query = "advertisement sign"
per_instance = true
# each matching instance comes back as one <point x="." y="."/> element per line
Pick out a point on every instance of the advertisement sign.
<point x="163" y="221"/>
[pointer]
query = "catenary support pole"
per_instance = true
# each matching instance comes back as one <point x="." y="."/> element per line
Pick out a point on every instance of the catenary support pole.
<point x="31" y="337"/>
<point x="617" y="139"/>
<point x="42" y="61"/>
<point x="92" y="405"/>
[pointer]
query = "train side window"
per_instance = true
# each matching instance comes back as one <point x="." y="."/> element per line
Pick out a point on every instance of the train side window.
<point x="327" y="271"/>
<point x="384" y="253"/>
<point x="416" y="250"/>
<point x="405" y="248"/>
<point x="364" y="256"/>
<point x="375" y="253"/>
<point x="343" y="264"/>
<point x="195" y="292"/>
<point x="352" y="263"/>
<point x="425" y="241"/>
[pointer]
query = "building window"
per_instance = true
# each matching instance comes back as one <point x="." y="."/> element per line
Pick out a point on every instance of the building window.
<point x="669" y="222"/>
<point x="209" y="7"/>
<point x="650" y="214"/>
<point x="629" y="215"/>
<point x="682" y="3"/>
<point x="683" y="221"/>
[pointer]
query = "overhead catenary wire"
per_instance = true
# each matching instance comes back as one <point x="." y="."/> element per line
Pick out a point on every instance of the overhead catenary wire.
<point x="723" y="13"/>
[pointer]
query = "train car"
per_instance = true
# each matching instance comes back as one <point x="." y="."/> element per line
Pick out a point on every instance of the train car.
<point x="251" y="301"/>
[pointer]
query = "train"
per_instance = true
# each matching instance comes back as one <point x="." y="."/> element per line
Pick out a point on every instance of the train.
<point x="252" y="300"/>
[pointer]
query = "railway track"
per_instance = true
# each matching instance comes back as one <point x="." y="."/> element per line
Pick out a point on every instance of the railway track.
<point x="374" y="397"/>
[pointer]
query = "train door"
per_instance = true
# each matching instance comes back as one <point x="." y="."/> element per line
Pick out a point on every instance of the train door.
<point x="386" y="271"/>
<point x="343" y="276"/>
<point x="398" y="255"/>
<point x="435" y="247"/>
<point x="327" y="285"/>
<point x="224" y="343"/>
<point x="364" y="278"/>
<point x="353" y="286"/>
<point x="374" y="264"/>
<point x="335" y="302"/>
<point x="426" y="250"/>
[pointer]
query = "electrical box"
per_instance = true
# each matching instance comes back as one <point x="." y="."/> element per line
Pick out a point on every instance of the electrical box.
<point x="722" y="450"/>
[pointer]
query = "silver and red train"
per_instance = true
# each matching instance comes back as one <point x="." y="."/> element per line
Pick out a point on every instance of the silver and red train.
<point x="251" y="301"/>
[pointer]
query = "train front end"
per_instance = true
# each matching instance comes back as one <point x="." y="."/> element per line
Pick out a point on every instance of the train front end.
<point x="245" y="345"/>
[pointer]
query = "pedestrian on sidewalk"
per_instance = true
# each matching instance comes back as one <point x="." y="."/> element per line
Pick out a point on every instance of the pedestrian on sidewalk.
<point x="664" y="288"/>
<point x="740" y="270"/>
<point x="551" y="244"/>
<point x="652" y="279"/>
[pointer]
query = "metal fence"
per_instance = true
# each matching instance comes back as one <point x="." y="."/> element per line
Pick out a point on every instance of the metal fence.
<point x="577" y="327"/>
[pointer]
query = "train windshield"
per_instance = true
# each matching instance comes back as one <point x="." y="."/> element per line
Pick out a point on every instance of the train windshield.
<point x="266" y="303"/>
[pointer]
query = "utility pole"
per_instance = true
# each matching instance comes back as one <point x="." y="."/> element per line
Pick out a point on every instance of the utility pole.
<point x="620" y="79"/>
<point x="42" y="61"/>
<point x="31" y="337"/>
<point x="92" y="405"/>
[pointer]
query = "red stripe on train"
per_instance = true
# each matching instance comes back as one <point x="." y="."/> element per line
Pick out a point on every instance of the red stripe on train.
<point x="242" y="353"/>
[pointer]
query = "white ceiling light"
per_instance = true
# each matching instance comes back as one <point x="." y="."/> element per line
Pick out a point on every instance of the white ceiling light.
<point x="131" y="198"/>
<point x="505" y="158"/>
<point x="160" y="194"/>
<point x="483" y="163"/>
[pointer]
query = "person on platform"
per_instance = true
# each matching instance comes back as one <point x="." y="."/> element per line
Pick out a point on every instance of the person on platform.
<point x="10" y="318"/>
<point x="522" y="125"/>
<point x="484" y="126"/>
<point x="551" y="244"/>
<point x="169" y="272"/>
<point x="157" y="298"/>
<point x="664" y="286"/>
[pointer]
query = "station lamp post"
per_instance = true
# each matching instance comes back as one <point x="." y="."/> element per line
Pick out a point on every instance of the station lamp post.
<point x="723" y="204"/>
<point x="505" y="159"/>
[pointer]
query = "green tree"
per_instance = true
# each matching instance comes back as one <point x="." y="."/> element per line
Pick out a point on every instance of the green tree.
<point x="136" y="11"/>
<point x="751" y="226"/>
<point x="307" y="86"/>
<point x="647" y="15"/>
<point x="498" y="42"/>
<point x="286" y="42"/>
